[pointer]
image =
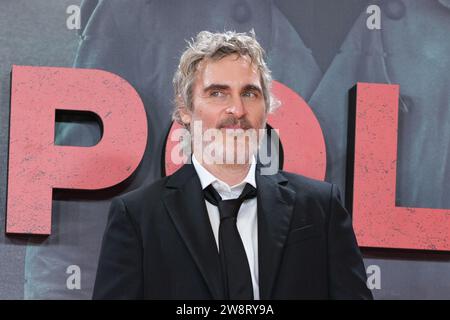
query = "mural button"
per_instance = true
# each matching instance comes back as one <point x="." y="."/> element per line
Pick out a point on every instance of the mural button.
<point x="394" y="9"/>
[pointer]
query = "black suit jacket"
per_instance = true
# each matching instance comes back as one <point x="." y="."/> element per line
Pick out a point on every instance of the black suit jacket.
<point x="159" y="244"/>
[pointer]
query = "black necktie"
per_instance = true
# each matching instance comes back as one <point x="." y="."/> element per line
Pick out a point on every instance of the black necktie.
<point x="235" y="268"/>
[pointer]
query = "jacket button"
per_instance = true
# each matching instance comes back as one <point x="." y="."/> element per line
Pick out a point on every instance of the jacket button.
<point x="394" y="9"/>
<point x="241" y="11"/>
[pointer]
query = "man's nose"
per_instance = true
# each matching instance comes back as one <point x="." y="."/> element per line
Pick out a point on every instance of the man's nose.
<point x="237" y="107"/>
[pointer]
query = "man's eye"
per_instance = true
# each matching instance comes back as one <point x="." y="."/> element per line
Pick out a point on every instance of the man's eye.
<point x="217" y="94"/>
<point x="249" y="94"/>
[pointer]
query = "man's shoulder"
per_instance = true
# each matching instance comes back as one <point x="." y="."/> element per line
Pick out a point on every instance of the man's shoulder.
<point x="145" y="194"/>
<point x="316" y="197"/>
<point x="154" y="191"/>
<point x="308" y="187"/>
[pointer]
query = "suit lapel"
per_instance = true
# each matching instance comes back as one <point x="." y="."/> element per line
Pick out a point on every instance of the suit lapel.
<point x="185" y="203"/>
<point x="275" y="205"/>
<point x="186" y="206"/>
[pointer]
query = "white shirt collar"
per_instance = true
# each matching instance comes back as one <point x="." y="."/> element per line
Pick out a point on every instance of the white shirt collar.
<point x="226" y="191"/>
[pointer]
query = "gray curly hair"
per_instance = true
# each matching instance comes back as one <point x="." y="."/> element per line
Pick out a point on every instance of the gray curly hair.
<point x="215" y="46"/>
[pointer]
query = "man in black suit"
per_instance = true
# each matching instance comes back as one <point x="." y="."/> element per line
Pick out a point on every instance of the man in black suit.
<point x="221" y="227"/>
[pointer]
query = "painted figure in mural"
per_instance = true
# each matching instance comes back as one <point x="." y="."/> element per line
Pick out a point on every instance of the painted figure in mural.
<point x="409" y="50"/>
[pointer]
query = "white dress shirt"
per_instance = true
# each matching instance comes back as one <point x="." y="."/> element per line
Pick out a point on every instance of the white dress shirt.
<point x="247" y="224"/>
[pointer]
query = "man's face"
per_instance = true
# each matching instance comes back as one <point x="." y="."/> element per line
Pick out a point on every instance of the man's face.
<point x="227" y="95"/>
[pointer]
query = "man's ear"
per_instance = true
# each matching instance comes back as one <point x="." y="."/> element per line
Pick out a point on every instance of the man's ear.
<point x="185" y="113"/>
